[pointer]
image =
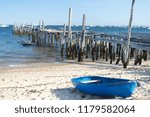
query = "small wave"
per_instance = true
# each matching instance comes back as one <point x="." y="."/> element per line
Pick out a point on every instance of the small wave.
<point x="4" y="25"/>
<point x="87" y="27"/>
<point x="13" y="65"/>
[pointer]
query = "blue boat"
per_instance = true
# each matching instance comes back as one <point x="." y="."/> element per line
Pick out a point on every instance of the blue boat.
<point x="105" y="87"/>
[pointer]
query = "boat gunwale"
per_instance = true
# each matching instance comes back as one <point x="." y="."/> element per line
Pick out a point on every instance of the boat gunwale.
<point x="125" y="81"/>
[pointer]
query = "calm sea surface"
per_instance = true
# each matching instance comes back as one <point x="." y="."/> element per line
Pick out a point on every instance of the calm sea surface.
<point x="12" y="53"/>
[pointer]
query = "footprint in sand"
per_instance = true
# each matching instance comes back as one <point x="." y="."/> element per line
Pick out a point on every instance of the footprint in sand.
<point x="1" y="96"/>
<point x="42" y="98"/>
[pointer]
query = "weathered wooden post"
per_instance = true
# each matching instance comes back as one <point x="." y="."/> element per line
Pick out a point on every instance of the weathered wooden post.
<point x="52" y="38"/>
<point x="148" y="54"/>
<point x="43" y="33"/>
<point x="62" y="40"/>
<point x="119" y="54"/>
<point x="45" y="38"/>
<point x="132" y="53"/>
<point x="110" y="52"/>
<point x="93" y="49"/>
<point x="77" y="44"/>
<point x="48" y="39"/>
<point x="107" y="50"/>
<point x="114" y="51"/>
<point x="36" y="37"/>
<point x="69" y="34"/>
<point x="40" y="38"/>
<point x="126" y="52"/>
<point x="73" y="49"/>
<point x="87" y="48"/>
<point x="40" y="25"/>
<point x="104" y="50"/>
<point x="69" y="24"/>
<point x="97" y="50"/>
<point x="31" y="37"/>
<point x="82" y="44"/>
<point x="101" y="47"/>
<point x="144" y="55"/>
<point x="56" y="38"/>
<point x="137" y="52"/>
<point x="138" y="57"/>
<point x="43" y="27"/>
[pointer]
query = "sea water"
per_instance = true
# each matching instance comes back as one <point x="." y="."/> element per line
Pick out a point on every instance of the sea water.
<point x="12" y="53"/>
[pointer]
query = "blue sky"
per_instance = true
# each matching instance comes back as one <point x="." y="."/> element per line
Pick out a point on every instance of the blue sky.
<point x="98" y="12"/>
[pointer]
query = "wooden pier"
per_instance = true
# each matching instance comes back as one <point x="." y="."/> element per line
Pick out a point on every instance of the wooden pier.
<point x="89" y="45"/>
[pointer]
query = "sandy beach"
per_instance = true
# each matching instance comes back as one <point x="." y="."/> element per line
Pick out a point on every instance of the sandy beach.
<point x="44" y="81"/>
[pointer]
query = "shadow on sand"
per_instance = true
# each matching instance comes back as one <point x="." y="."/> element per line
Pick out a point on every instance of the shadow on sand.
<point x="73" y="94"/>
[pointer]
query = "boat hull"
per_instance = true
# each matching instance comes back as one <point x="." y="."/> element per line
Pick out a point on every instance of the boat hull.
<point x="26" y="43"/>
<point x="105" y="87"/>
